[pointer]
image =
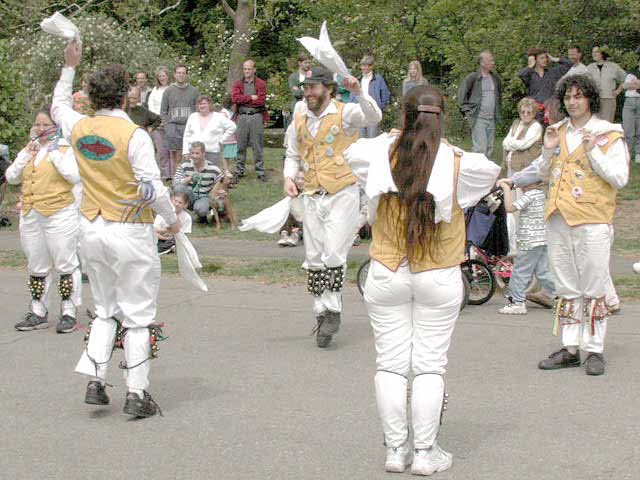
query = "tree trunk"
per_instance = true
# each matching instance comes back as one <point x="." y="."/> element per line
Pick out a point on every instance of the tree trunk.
<point x="241" y="46"/>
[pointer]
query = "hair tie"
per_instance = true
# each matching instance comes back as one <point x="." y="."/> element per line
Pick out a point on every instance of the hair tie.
<point x="429" y="109"/>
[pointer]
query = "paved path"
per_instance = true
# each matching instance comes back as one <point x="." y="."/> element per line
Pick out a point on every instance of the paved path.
<point x="247" y="395"/>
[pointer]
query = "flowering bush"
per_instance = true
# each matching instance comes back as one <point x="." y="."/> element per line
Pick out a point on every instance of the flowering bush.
<point x="14" y="120"/>
<point x="38" y="56"/>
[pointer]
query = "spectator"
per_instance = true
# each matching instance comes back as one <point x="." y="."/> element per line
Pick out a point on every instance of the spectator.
<point x="142" y="82"/>
<point x="209" y="127"/>
<point x="166" y="239"/>
<point x="532" y="255"/>
<point x="249" y="94"/>
<point x="374" y="84"/>
<point x="480" y="100"/>
<point x="230" y="146"/>
<point x="178" y="102"/>
<point x="574" y="53"/>
<point x="291" y="233"/>
<point x="523" y="143"/>
<point x="606" y="74"/>
<point x="81" y="102"/>
<point x="540" y="79"/>
<point x="414" y="77"/>
<point x="138" y="113"/>
<point x="158" y="135"/>
<point x="631" y="112"/>
<point x="296" y="79"/>
<point x="196" y="177"/>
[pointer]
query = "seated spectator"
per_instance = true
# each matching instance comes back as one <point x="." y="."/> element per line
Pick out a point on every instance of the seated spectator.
<point x="196" y="177"/>
<point x="138" y="113"/>
<point x="291" y="233"/>
<point x="166" y="241"/>
<point x="209" y="127"/>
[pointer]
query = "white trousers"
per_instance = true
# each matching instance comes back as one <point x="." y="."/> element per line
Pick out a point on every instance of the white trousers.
<point x="413" y="317"/>
<point x="329" y="227"/>
<point x="579" y="260"/>
<point x="612" y="296"/>
<point x="50" y="243"/>
<point x="121" y="260"/>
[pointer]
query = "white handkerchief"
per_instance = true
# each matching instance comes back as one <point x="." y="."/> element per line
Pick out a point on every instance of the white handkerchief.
<point x="322" y="50"/>
<point x="269" y="220"/>
<point x="188" y="261"/>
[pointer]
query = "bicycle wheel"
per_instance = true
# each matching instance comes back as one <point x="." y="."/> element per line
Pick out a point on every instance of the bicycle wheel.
<point x="361" y="276"/>
<point x="481" y="280"/>
<point x="466" y="291"/>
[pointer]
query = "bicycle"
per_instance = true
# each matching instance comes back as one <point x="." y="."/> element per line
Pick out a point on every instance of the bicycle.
<point x="363" y="272"/>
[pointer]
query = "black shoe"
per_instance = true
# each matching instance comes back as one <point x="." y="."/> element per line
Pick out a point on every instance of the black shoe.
<point x="85" y="278"/>
<point x="32" y="321"/>
<point x="263" y="178"/>
<point x="594" y="364"/>
<point x="140" y="407"/>
<point x="327" y="326"/>
<point x="66" y="324"/>
<point x="560" y="359"/>
<point x="96" y="394"/>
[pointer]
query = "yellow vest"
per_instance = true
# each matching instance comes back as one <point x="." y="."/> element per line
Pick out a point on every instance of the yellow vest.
<point x="101" y="145"/>
<point x="576" y="190"/>
<point x="389" y="245"/>
<point x="43" y="188"/>
<point x="324" y="164"/>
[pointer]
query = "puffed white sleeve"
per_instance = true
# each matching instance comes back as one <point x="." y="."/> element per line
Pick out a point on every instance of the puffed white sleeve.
<point x="364" y="113"/>
<point x="367" y="153"/>
<point x="533" y="135"/>
<point x="145" y="169"/>
<point x="66" y="165"/>
<point x="14" y="172"/>
<point x="62" y="112"/>
<point x="612" y="166"/>
<point x="476" y="177"/>
<point x="292" y="157"/>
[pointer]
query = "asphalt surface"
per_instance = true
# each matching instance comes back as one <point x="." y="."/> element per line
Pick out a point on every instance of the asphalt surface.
<point x="246" y="394"/>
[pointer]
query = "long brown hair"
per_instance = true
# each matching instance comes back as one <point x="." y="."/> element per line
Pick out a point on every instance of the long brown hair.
<point x="414" y="154"/>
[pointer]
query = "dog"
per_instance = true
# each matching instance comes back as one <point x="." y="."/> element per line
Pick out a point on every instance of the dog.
<point x="221" y="201"/>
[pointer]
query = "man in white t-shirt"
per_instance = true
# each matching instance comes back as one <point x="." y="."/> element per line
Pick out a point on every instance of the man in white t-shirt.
<point x="165" y="239"/>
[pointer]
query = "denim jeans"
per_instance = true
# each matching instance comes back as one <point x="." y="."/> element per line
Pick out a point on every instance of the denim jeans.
<point x="483" y="132"/>
<point x="526" y="264"/>
<point x="631" y="123"/>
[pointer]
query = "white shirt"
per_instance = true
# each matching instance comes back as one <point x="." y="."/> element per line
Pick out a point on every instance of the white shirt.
<point x="533" y="134"/>
<point x="141" y="151"/>
<point x="67" y="168"/>
<point x="366" y="80"/>
<point x="631" y="92"/>
<point x="613" y="167"/>
<point x="369" y="160"/>
<point x="354" y="116"/>
<point x="185" y="222"/>
<point x="218" y="130"/>
<point x="155" y="99"/>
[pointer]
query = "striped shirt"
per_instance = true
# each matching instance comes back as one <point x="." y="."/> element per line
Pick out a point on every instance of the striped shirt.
<point x="201" y="181"/>
<point x="532" y="230"/>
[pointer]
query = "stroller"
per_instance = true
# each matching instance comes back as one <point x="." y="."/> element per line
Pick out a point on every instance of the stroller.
<point x="487" y="244"/>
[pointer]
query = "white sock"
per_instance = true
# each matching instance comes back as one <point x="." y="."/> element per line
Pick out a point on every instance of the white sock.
<point x="138" y="391"/>
<point x="572" y="350"/>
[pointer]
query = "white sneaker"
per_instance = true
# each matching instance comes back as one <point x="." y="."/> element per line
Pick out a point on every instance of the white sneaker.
<point x="284" y="239"/>
<point x="515" y="308"/>
<point x="427" y="461"/>
<point x="294" y="239"/>
<point x="397" y="459"/>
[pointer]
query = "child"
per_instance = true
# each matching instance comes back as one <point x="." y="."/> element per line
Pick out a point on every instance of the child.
<point x="532" y="247"/>
<point x="166" y="242"/>
<point x="291" y="234"/>
<point x="230" y="147"/>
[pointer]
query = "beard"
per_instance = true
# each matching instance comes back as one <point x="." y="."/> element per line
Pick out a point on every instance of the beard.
<point x="315" y="103"/>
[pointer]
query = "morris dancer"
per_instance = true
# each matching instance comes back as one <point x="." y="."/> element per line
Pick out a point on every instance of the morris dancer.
<point x="586" y="162"/>
<point x="418" y="186"/>
<point x="118" y="250"/>
<point x="49" y="223"/>
<point x="322" y="132"/>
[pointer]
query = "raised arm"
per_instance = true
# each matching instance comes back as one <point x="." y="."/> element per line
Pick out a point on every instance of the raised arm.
<point x="62" y="111"/>
<point x="365" y="112"/>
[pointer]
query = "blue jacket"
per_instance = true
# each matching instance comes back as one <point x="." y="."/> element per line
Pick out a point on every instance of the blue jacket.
<point x="378" y="90"/>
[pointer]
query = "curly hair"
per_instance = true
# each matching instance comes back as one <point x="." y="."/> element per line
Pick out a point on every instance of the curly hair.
<point x="108" y="86"/>
<point x="584" y="84"/>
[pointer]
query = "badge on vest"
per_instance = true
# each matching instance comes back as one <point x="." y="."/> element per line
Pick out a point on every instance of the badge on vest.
<point x="556" y="172"/>
<point x="330" y="138"/>
<point x="329" y="151"/>
<point x="305" y="166"/>
<point x="96" y="148"/>
<point x="580" y="174"/>
<point x="576" y="192"/>
<point x="334" y="129"/>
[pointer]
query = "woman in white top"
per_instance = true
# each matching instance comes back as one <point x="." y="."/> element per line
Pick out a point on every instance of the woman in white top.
<point x="631" y="112"/>
<point x="158" y="136"/>
<point x="523" y="143"/>
<point x="417" y="185"/>
<point x="209" y="127"/>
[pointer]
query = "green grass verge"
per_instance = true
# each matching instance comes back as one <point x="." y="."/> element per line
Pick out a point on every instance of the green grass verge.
<point x="265" y="270"/>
